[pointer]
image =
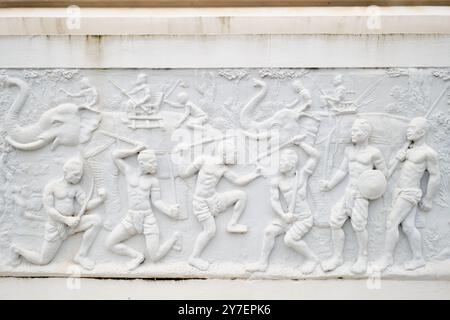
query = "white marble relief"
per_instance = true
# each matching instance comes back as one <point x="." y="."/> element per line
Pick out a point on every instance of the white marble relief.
<point x="197" y="173"/>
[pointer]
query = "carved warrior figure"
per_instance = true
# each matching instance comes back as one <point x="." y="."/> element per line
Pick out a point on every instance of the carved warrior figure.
<point x="142" y="106"/>
<point x="88" y="92"/>
<point x="358" y="159"/>
<point x="417" y="159"/>
<point x="208" y="203"/>
<point x="288" y="199"/>
<point x="142" y="184"/>
<point x="337" y="100"/>
<point x="140" y="95"/>
<point x="193" y="116"/>
<point x="60" y="198"/>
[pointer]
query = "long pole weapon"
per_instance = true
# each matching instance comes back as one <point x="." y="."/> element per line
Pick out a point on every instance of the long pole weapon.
<point x="124" y="92"/>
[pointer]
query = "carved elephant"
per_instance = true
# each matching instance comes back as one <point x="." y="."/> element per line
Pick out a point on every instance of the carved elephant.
<point x="68" y="124"/>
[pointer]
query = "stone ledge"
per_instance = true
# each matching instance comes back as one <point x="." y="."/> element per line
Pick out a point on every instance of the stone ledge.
<point x="227" y="21"/>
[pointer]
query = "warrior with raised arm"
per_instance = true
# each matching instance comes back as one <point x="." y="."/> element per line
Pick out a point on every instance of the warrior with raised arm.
<point x="417" y="159"/>
<point x="358" y="158"/>
<point x="142" y="184"/>
<point x="294" y="215"/>
<point x="208" y="203"/>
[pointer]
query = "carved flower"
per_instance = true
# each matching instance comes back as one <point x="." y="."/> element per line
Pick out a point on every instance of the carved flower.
<point x="30" y="74"/>
<point x="69" y="74"/>
<point x="233" y="74"/>
<point x="442" y="74"/>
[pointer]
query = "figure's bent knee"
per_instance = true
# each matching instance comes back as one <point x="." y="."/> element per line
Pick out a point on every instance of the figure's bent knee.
<point x="210" y="231"/>
<point x="110" y="241"/>
<point x="96" y="221"/>
<point x="358" y="226"/>
<point x="241" y="195"/>
<point x="270" y="231"/>
<point x="391" y="224"/>
<point x="289" y="240"/>
<point x="45" y="260"/>
<point x="408" y="229"/>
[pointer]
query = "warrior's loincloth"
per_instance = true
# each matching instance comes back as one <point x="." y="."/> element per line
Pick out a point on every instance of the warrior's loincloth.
<point x="352" y="205"/>
<point x="140" y="222"/>
<point x="412" y="195"/>
<point x="207" y="207"/>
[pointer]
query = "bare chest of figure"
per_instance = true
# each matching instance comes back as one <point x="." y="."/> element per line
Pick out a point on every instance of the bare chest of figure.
<point x="64" y="198"/>
<point x="139" y="190"/>
<point x="413" y="168"/>
<point x="208" y="177"/>
<point x="417" y="156"/>
<point x="359" y="161"/>
<point x="286" y="185"/>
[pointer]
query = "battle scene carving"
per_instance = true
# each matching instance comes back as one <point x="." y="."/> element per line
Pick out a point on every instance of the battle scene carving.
<point x="248" y="173"/>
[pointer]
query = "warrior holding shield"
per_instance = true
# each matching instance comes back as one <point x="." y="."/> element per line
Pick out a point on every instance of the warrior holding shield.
<point x="365" y="184"/>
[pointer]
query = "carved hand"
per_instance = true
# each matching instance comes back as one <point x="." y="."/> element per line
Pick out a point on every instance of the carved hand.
<point x="258" y="171"/>
<point x="139" y="148"/>
<point x="174" y="211"/>
<point x="298" y="139"/>
<point x="324" y="185"/>
<point x="72" y="221"/>
<point x="290" y="217"/>
<point x="401" y="155"/>
<point x="426" y="205"/>
<point x="101" y="194"/>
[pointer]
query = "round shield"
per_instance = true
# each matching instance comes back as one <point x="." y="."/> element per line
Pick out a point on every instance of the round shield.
<point x="372" y="184"/>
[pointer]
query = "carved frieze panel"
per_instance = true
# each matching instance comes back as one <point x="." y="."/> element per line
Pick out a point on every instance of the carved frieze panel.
<point x="248" y="173"/>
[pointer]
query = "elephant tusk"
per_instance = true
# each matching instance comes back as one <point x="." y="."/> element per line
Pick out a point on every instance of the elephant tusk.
<point x="54" y="144"/>
<point x="26" y="146"/>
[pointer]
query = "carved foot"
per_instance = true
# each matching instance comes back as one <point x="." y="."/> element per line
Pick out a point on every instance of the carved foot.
<point x="257" y="267"/>
<point x="383" y="263"/>
<point x="360" y="266"/>
<point x="309" y="266"/>
<point x="414" y="264"/>
<point x="198" y="263"/>
<point x="84" y="262"/>
<point x="332" y="263"/>
<point x="16" y="259"/>
<point x="133" y="264"/>
<point x="237" y="228"/>
<point x="177" y="246"/>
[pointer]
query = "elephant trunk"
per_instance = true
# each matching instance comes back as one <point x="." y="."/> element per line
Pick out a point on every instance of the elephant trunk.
<point x="249" y="109"/>
<point x="18" y="137"/>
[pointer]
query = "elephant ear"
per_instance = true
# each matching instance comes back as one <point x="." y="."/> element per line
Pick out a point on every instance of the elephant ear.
<point x="90" y="120"/>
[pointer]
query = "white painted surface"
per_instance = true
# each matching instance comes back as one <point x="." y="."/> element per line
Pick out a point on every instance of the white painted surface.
<point x="57" y="288"/>
<point x="225" y="51"/>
